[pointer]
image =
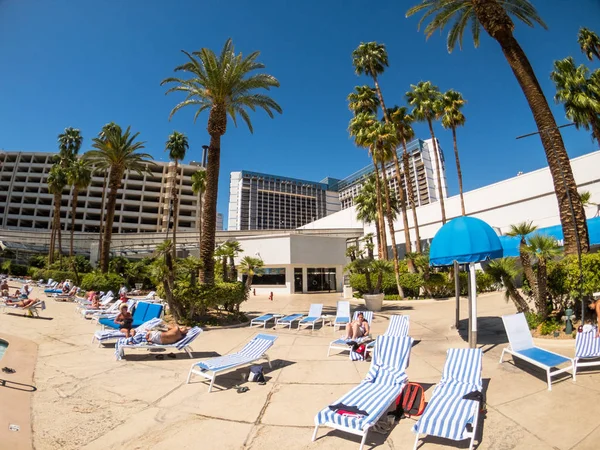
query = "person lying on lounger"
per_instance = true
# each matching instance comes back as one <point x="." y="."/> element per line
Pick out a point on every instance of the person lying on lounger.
<point x="357" y="328"/>
<point x="21" y="303"/>
<point x="4" y="288"/>
<point x="595" y="306"/>
<point x="173" y="334"/>
<point x="125" y="320"/>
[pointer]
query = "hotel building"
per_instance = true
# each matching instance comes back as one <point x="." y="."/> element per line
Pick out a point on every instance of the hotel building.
<point x="142" y="200"/>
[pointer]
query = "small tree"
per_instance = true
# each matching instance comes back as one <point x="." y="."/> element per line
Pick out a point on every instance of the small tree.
<point x="504" y="270"/>
<point x="542" y="248"/>
<point x="251" y="267"/>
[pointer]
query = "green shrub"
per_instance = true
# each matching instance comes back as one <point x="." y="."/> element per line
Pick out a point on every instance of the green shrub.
<point x="12" y="268"/>
<point x="439" y="285"/>
<point x="533" y="320"/>
<point x="411" y="283"/>
<point x="359" y="284"/>
<point x="392" y="297"/>
<point x="102" y="281"/>
<point x="38" y="261"/>
<point x="550" y="326"/>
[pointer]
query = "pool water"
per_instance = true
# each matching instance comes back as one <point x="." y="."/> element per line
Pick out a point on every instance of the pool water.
<point x="3" y="345"/>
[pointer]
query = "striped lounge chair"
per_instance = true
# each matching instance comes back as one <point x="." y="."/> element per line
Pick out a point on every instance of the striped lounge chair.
<point x="105" y="336"/>
<point x="448" y="415"/>
<point x="139" y="342"/>
<point x="374" y="395"/>
<point x="315" y="313"/>
<point x="587" y="348"/>
<point x="342" y="343"/>
<point x="398" y="326"/>
<point x="521" y="345"/>
<point x="255" y="349"/>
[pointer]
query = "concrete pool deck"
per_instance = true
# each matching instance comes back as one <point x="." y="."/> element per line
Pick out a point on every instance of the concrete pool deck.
<point x="87" y="400"/>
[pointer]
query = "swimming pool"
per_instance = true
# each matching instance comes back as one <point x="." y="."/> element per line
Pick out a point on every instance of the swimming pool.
<point x="3" y="345"/>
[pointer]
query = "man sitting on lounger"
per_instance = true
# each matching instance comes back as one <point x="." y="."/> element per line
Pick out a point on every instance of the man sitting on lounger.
<point x="4" y="288"/>
<point x="173" y="334"/>
<point x="357" y="328"/>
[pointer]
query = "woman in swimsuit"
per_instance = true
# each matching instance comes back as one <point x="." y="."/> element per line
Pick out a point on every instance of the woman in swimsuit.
<point x="125" y="319"/>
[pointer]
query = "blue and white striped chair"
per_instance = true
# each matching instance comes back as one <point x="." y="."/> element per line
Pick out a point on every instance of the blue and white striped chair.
<point x="374" y="395"/>
<point x="342" y="343"/>
<point x="139" y="342"/>
<point x="104" y="336"/>
<point x="255" y="349"/>
<point x="521" y="345"/>
<point x="447" y="414"/>
<point x="342" y="315"/>
<point x="398" y="326"/>
<point x="315" y="313"/>
<point x="587" y="347"/>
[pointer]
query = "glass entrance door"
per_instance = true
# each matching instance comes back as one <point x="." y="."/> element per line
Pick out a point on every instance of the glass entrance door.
<point x="298" y="280"/>
<point x="321" y="279"/>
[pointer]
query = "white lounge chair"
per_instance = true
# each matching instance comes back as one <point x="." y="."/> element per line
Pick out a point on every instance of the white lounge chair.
<point x="398" y="326"/>
<point x="255" y="349"/>
<point x="448" y="415"/>
<point x="521" y="345"/>
<point x="342" y="343"/>
<point x="263" y="320"/>
<point x="374" y="395"/>
<point x="33" y="309"/>
<point x="105" y="305"/>
<point x="342" y="315"/>
<point x="314" y="315"/>
<point x="288" y="321"/>
<point x="139" y="342"/>
<point x="587" y="348"/>
<point x="104" y="336"/>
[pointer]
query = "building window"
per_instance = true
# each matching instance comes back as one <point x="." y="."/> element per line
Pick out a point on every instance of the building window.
<point x="321" y="279"/>
<point x="270" y="276"/>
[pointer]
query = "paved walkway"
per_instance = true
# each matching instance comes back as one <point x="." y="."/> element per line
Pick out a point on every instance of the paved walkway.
<point x="87" y="400"/>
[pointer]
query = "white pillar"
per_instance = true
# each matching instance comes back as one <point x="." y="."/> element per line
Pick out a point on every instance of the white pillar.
<point x="473" y="308"/>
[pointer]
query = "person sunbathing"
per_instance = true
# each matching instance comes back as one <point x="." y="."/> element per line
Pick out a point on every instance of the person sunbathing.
<point x="357" y="328"/>
<point x="173" y="334"/>
<point x="595" y="306"/>
<point x="125" y="320"/>
<point x="21" y="303"/>
<point x="4" y="288"/>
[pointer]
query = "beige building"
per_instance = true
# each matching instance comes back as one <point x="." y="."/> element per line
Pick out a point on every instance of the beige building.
<point x="142" y="202"/>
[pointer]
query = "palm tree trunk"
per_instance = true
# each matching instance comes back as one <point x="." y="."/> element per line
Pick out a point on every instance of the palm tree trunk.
<point x="516" y="297"/>
<point x="53" y="234"/>
<point x="390" y="219"/>
<point x="56" y="223"/>
<point x="209" y="217"/>
<point x="542" y="283"/>
<point x="73" y="212"/>
<point x="595" y="123"/>
<point x="199" y="220"/>
<point x="527" y="269"/>
<point x="459" y="172"/>
<point x="115" y="181"/>
<point x="407" y="244"/>
<point x="438" y="170"/>
<point x="498" y="25"/>
<point x="224" y="269"/>
<point x="411" y="195"/>
<point x="100" y="234"/>
<point x="381" y="238"/>
<point x="380" y="95"/>
<point x="175" y="213"/>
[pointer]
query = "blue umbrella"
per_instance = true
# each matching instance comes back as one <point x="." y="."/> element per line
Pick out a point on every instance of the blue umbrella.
<point x="465" y="240"/>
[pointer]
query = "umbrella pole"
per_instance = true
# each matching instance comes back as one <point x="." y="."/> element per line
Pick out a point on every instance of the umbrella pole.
<point x="457" y="292"/>
<point x="472" y="307"/>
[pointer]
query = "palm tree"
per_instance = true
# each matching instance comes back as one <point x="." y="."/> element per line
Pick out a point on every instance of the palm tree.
<point x="79" y="176"/>
<point x="224" y="85"/>
<point x="367" y="209"/>
<point x="221" y="254"/>
<point x="542" y="248"/>
<point x="494" y="17"/>
<point x="102" y="135"/>
<point x="233" y="249"/>
<point x="251" y="267"/>
<point x="358" y="124"/>
<point x="371" y="59"/>
<point x="368" y="238"/>
<point x="589" y="43"/>
<point x="383" y="142"/>
<point x="522" y="230"/>
<point x="575" y="90"/>
<point x="69" y="144"/>
<point x="118" y="152"/>
<point x="452" y="117"/>
<point x="402" y="120"/>
<point x="363" y="99"/>
<point x="57" y="181"/>
<point x="425" y="98"/>
<point x="198" y="188"/>
<point x="176" y="145"/>
<point x="504" y="270"/>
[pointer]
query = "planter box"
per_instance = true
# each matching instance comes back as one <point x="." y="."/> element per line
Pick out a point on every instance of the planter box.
<point x="373" y="302"/>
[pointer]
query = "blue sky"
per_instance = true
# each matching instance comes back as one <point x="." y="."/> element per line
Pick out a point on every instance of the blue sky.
<point x="84" y="63"/>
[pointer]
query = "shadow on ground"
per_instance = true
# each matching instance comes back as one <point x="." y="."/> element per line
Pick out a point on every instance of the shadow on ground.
<point x="490" y="331"/>
<point x="167" y="355"/>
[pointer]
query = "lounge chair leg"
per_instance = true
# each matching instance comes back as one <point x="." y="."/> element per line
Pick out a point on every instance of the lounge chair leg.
<point x="315" y="433"/>
<point x="189" y="376"/>
<point x="364" y="439"/>
<point x="574" y="370"/>
<point x="549" y="378"/>
<point x="268" y="360"/>
<point x="502" y="357"/>
<point x="212" y="381"/>
<point x="416" y="442"/>
<point x="189" y="352"/>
